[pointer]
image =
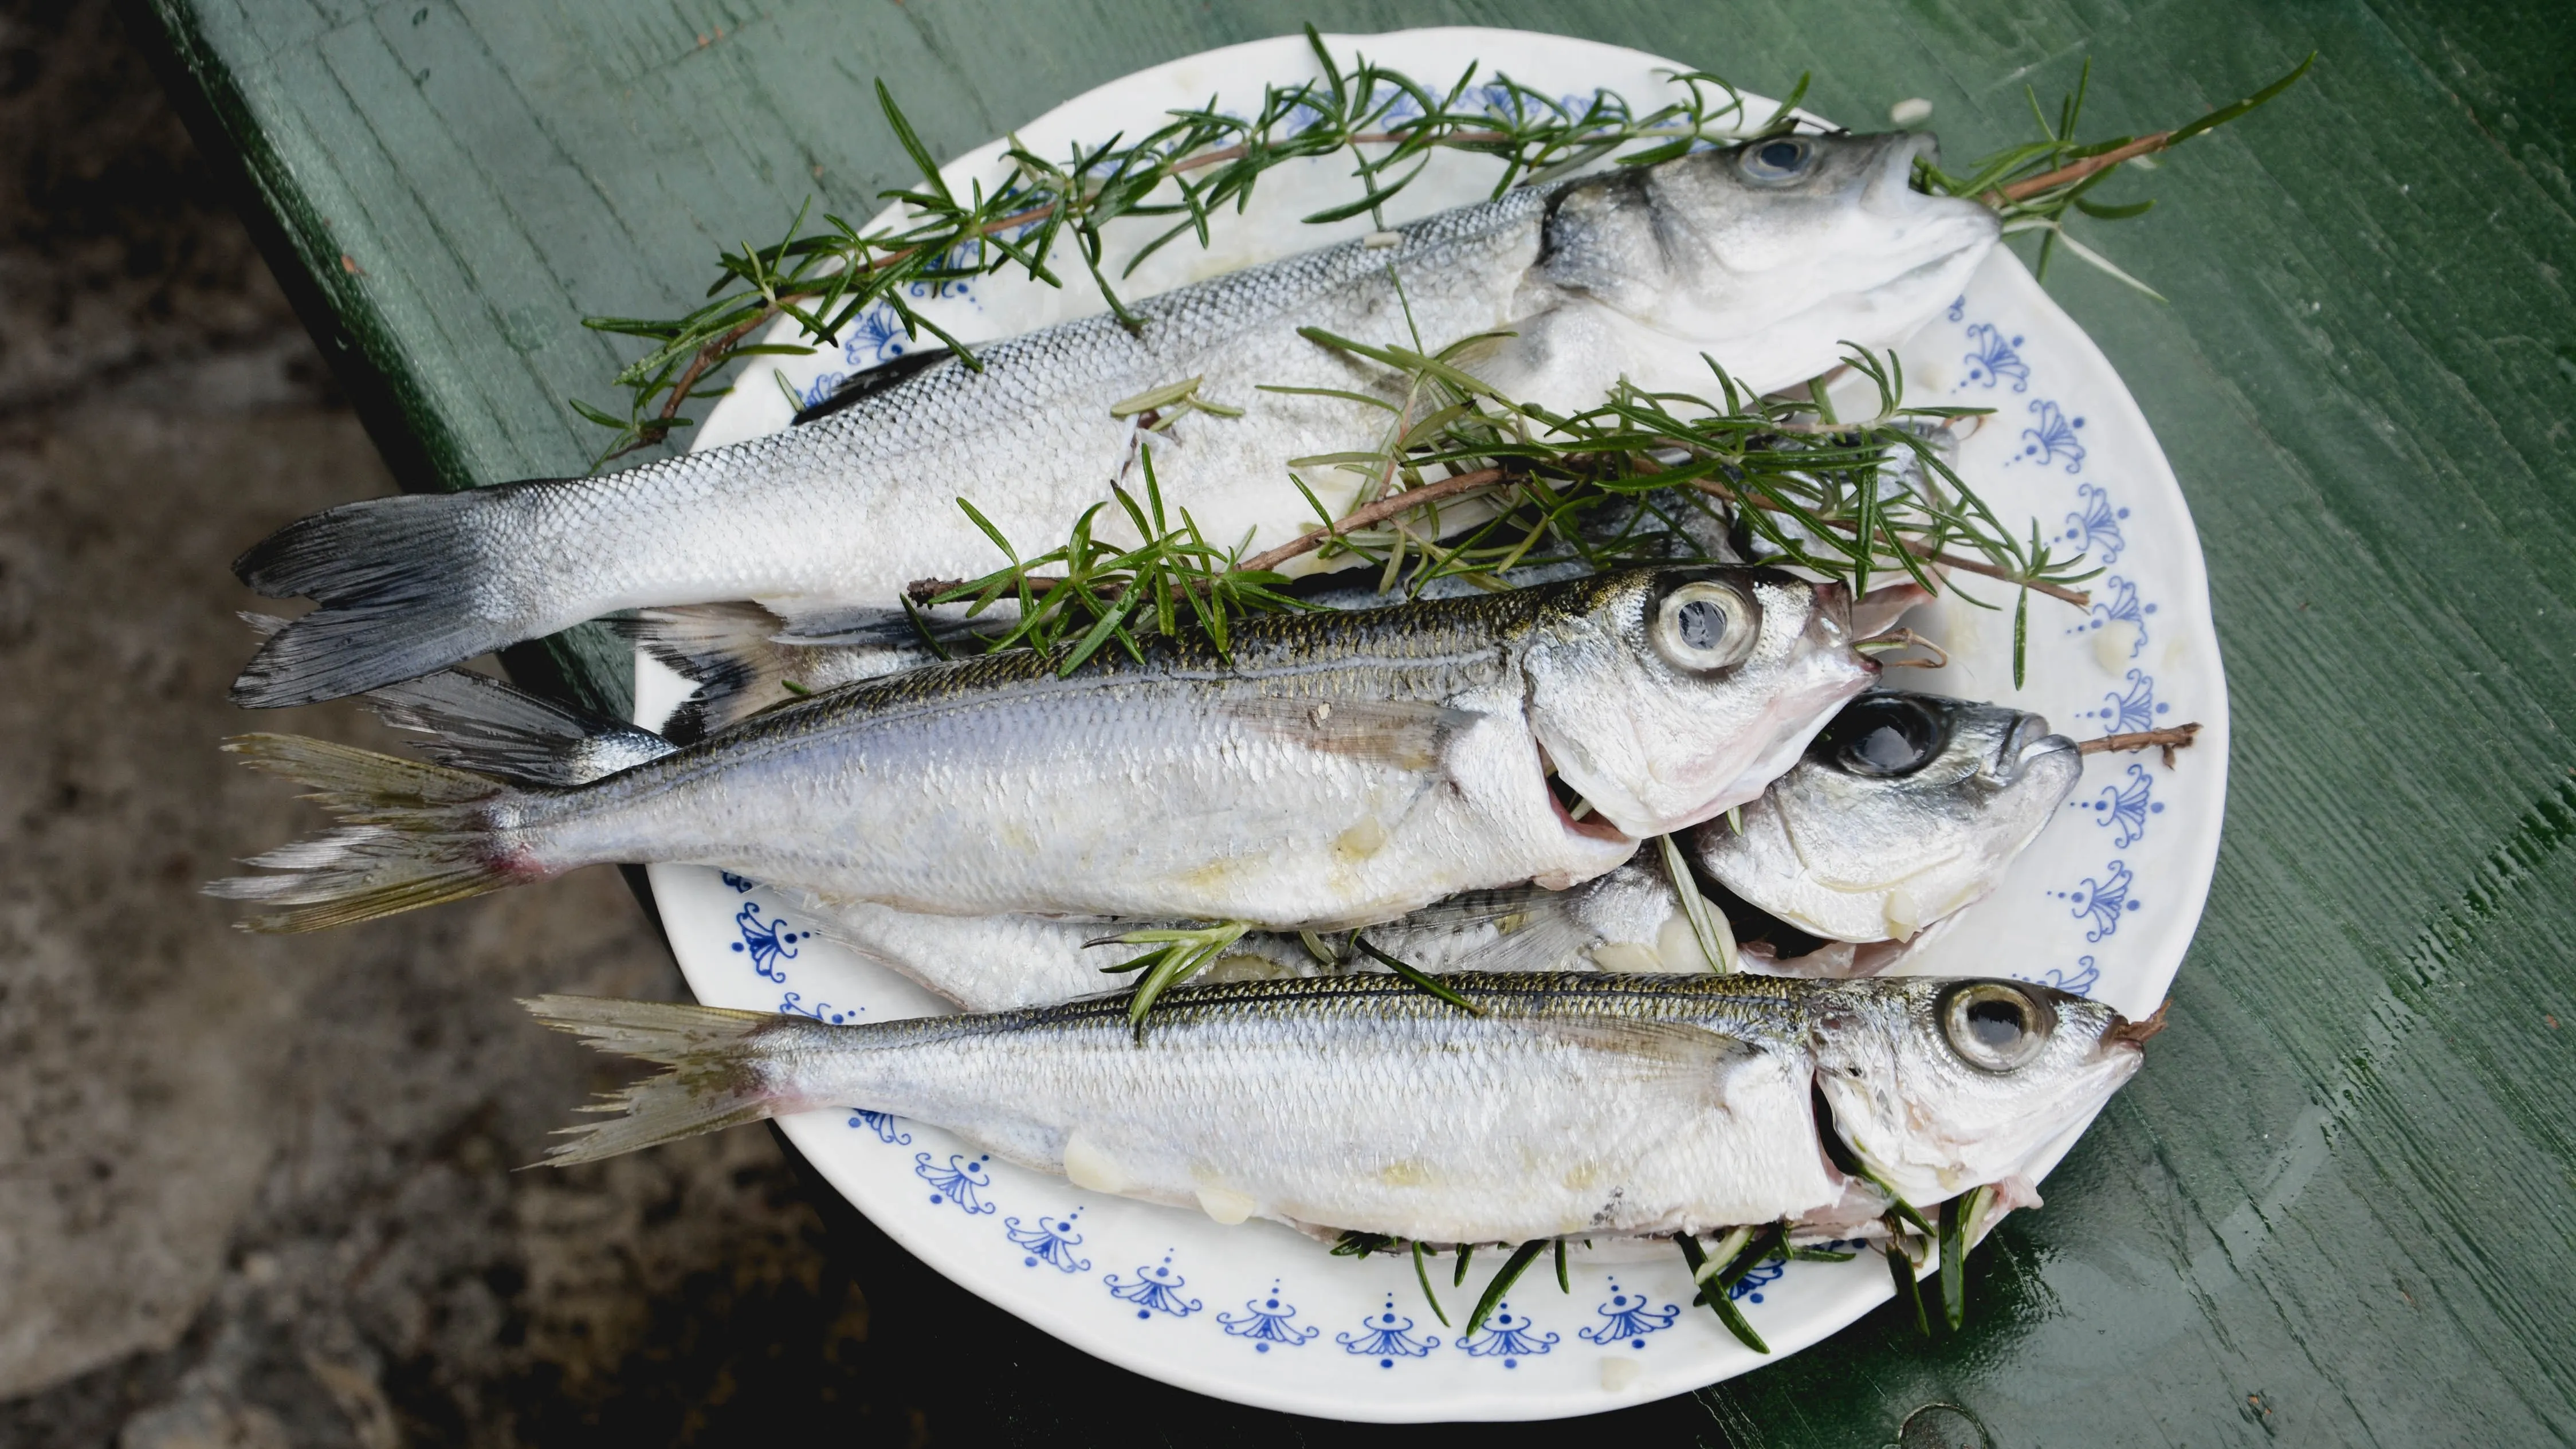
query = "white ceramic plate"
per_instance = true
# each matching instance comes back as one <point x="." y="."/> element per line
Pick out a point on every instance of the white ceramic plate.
<point x="2105" y="904"/>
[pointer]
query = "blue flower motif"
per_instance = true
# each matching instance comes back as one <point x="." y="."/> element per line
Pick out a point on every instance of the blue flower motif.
<point x="2080" y="981"/>
<point x="884" y="1124"/>
<point x="766" y="942"/>
<point x="1403" y="108"/>
<point x="1500" y="100"/>
<point x="1386" y="1336"/>
<point x="2104" y="901"/>
<point x="876" y="337"/>
<point x="2135" y="710"/>
<point x="1051" y="1242"/>
<point x="1758" y="1277"/>
<point x="1156" y="1290"/>
<point x="740" y="886"/>
<point x="2095" y="528"/>
<point x="1509" y="1337"/>
<point x="1959" y="306"/>
<point x="958" y="1182"/>
<point x="1994" y="358"/>
<point x="818" y="390"/>
<point x="1628" y="1317"/>
<point x="2053" y="438"/>
<point x="2126" y="807"/>
<point x="793" y="1004"/>
<point x="2124" y="607"/>
<point x="1265" y="1322"/>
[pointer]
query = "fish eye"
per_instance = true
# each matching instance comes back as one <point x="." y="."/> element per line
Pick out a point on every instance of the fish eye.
<point x="1780" y="159"/>
<point x="1995" y="1026"/>
<point x="1881" y="737"/>
<point x="1704" y="625"/>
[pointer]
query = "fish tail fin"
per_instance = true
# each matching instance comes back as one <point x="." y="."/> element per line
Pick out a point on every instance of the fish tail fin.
<point x="411" y="834"/>
<point x="730" y="651"/>
<point x="487" y="726"/>
<point x="396" y="579"/>
<point x="476" y="723"/>
<point x="725" y="1070"/>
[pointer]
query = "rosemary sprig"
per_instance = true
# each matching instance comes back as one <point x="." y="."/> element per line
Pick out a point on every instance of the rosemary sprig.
<point x="1416" y="977"/>
<point x="1098" y="592"/>
<point x="2034" y="186"/>
<point x="1715" y="934"/>
<point x="1502" y="1281"/>
<point x="1179" y="176"/>
<point x="1645" y="476"/>
<point x="1177" y="956"/>
<point x="1715" y="1273"/>
<point x="1200" y="161"/>
<point x="1422" y="1274"/>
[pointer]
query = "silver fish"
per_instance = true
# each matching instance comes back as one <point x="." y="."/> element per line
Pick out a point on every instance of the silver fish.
<point x="1906" y="809"/>
<point x="1342" y="768"/>
<point x="744" y="659"/>
<point x="1767" y="257"/>
<point x="1983" y="780"/>
<point x="1571" y="1106"/>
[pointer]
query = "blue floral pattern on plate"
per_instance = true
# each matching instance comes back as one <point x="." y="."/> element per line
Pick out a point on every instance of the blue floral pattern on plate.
<point x="1051" y="1242"/>
<point x="1628" y="1318"/>
<point x="1156" y="1290"/>
<point x="1265" y="1322"/>
<point x="1386" y="1336"/>
<point x="1509" y="1337"/>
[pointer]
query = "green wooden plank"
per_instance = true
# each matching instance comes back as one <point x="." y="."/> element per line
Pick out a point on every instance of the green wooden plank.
<point x="2338" y="1207"/>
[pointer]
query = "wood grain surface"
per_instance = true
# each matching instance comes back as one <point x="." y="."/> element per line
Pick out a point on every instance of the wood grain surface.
<point x="2339" y="1207"/>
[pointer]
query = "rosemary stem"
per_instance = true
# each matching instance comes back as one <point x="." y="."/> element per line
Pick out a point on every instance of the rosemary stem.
<point x="1924" y="551"/>
<point x="1378" y="512"/>
<point x="2169" y="740"/>
<point x="2022" y="190"/>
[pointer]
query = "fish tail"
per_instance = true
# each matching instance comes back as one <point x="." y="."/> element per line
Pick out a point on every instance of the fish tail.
<point x="396" y="579"/>
<point x="479" y="724"/>
<point x="727" y="1068"/>
<point x="730" y="651"/>
<point x="411" y="834"/>
<point x="486" y="726"/>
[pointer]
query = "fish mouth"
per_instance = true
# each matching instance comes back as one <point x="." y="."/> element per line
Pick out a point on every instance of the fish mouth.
<point x="1573" y="812"/>
<point x="1936" y="228"/>
<point x="2028" y="742"/>
<point x="2124" y="1032"/>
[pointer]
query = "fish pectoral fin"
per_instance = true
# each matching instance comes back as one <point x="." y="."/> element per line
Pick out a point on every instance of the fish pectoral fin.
<point x="1695" y="1061"/>
<point x="1409" y="736"/>
<point x="1534" y="929"/>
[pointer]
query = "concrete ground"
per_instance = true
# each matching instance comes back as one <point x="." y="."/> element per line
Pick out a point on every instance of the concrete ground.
<point x="258" y="1191"/>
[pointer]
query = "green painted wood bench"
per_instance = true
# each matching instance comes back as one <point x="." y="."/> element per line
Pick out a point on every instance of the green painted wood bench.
<point x="2340" y="1206"/>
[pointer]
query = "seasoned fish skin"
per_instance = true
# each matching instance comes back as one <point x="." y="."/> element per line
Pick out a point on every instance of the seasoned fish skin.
<point x="1652" y="269"/>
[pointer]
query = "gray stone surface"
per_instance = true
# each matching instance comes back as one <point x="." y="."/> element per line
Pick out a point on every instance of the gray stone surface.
<point x="258" y="1191"/>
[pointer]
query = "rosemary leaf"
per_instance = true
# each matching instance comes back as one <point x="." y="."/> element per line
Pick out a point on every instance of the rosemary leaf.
<point x="1503" y="1280"/>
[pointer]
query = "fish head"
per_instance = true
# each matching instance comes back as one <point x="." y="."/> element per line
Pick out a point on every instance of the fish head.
<point x="1938" y="1086"/>
<point x="1905" y="808"/>
<point x="1666" y="696"/>
<point x="1733" y="250"/>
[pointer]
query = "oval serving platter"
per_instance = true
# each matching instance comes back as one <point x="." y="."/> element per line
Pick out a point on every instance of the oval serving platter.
<point x="2105" y="904"/>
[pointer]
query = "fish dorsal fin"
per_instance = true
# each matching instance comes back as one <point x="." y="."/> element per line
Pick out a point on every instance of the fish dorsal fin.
<point x="1409" y="736"/>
